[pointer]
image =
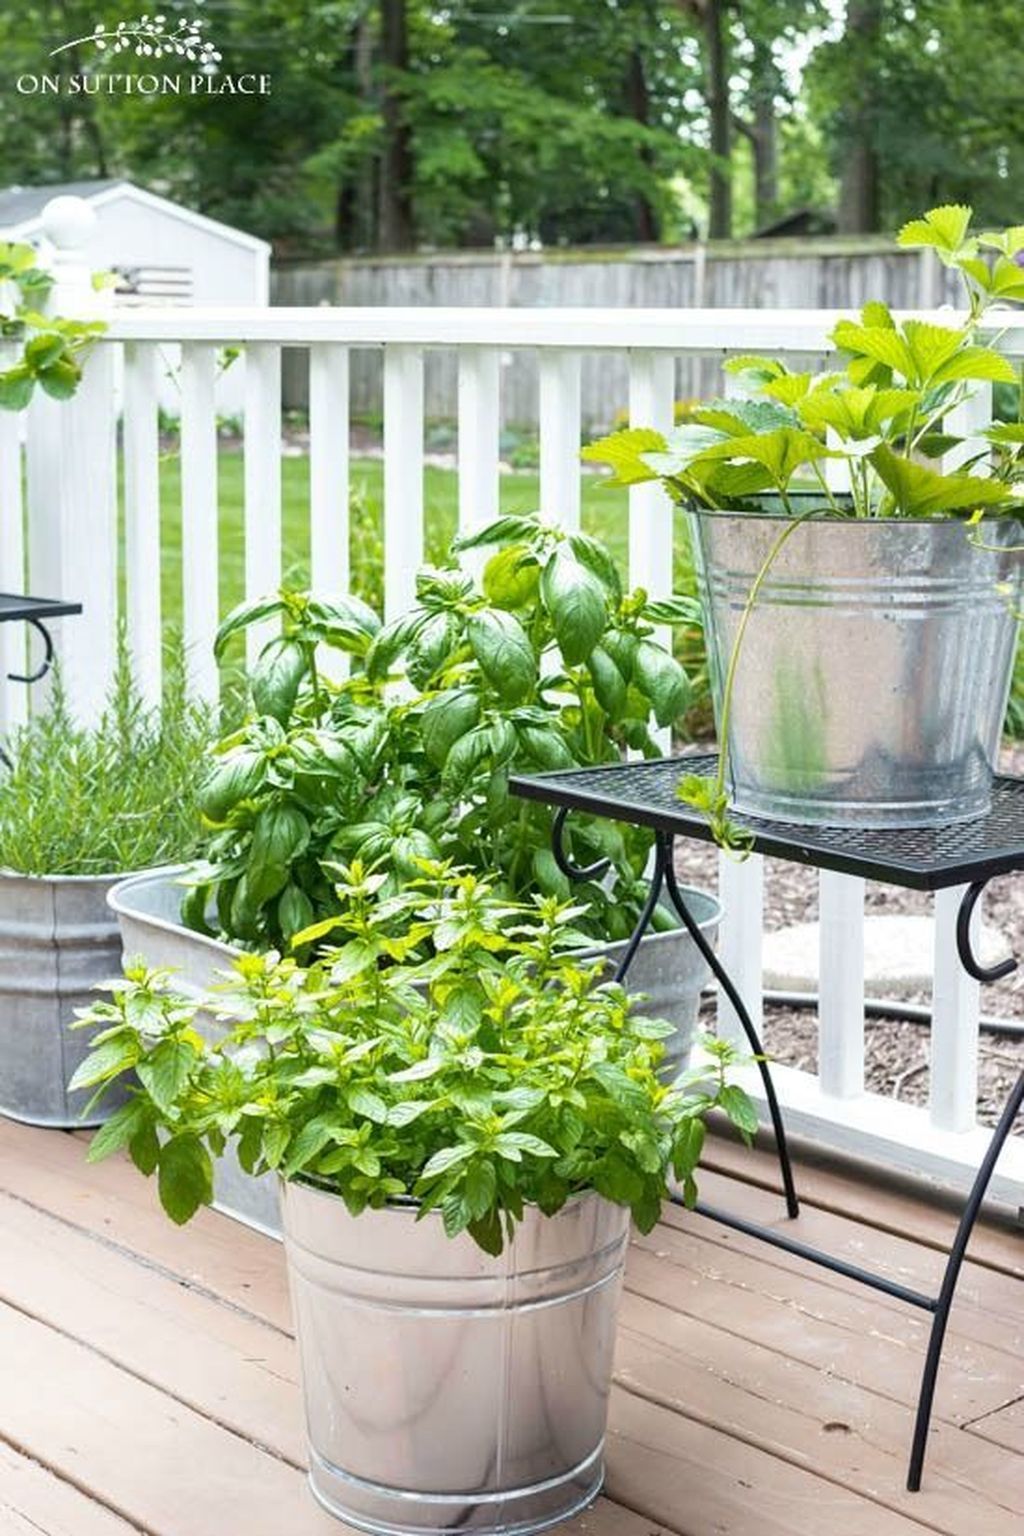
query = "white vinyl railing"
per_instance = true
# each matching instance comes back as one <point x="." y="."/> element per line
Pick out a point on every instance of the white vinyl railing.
<point x="72" y="550"/>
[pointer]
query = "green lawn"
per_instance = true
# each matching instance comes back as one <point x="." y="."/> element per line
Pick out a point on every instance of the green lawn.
<point x="604" y="514"/>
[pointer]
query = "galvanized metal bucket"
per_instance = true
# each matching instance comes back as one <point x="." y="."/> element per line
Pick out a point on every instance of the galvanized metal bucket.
<point x="873" y="676"/>
<point x="148" y="911"/>
<point x="668" y="968"/>
<point x="58" y="939"/>
<point x="446" y="1390"/>
<point x="671" y="973"/>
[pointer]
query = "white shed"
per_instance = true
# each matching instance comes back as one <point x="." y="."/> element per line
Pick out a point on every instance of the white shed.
<point x="163" y="252"/>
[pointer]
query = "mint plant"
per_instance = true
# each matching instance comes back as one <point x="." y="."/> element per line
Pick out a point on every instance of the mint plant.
<point x="445" y="1049"/>
<point x="546" y="663"/>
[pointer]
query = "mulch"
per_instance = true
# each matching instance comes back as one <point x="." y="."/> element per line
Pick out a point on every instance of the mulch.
<point x="896" y="1051"/>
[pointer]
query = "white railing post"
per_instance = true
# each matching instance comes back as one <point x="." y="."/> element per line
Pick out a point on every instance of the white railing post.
<point x="403" y="476"/>
<point x="741" y="940"/>
<point x="142" y="516"/>
<point x="199" y="541"/>
<point x="479" y="436"/>
<point x="13" y="696"/>
<point x="560" y="437"/>
<point x="956" y="1006"/>
<point x="72" y="480"/>
<point x="840" y="985"/>
<point x="652" y="404"/>
<point x="329" y="488"/>
<point x="262" y="484"/>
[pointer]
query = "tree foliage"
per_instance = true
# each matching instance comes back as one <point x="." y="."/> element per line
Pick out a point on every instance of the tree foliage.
<point x="394" y="124"/>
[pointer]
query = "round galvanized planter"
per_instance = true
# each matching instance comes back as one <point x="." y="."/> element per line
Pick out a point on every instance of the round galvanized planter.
<point x="670" y="972"/>
<point x="873" y="676"/>
<point x="58" y="939"/>
<point x="668" y="968"/>
<point x="446" y="1390"/>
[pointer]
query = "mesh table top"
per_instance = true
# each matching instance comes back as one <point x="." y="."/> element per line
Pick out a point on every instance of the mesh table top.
<point x="644" y="793"/>
<point x="14" y="606"/>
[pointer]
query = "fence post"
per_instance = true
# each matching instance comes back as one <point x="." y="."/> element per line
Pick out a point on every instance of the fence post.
<point x="72" y="479"/>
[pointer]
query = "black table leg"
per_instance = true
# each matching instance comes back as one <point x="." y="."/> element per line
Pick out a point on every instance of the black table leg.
<point x="944" y="1301"/>
<point x="663" y="877"/>
<point x="721" y="975"/>
<point x="972" y="1209"/>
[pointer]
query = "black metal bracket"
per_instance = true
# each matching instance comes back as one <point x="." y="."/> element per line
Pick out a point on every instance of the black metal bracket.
<point x="47" y="661"/>
<point x="965" y="949"/>
<point x="663" y="880"/>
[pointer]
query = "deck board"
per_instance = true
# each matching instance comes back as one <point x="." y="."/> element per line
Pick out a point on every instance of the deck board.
<point x="150" y="1383"/>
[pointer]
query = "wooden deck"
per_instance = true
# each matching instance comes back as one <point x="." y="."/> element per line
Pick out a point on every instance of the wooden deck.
<point x="148" y="1379"/>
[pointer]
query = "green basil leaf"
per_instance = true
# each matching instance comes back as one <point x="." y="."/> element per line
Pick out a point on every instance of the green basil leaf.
<point x="660" y="677"/>
<point x="234" y="777"/>
<point x="576" y="605"/>
<point x="280" y="837"/>
<point x="276" y="677"/>
<point x="608" y="683"/>
<point x="503" y="651"/>
<point x="598" y="560"/>
<point x="445" y="719"/>
<point x="241" y="617"/>
<point x="511" y="577"/>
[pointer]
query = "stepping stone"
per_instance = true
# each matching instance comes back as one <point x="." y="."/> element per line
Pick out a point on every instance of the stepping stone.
<point x="898" y="955"/>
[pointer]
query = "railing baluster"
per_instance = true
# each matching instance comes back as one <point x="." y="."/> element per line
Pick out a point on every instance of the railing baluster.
<point x="329" y="484"/>
<point x="72" y="491"/>
<point x="560" y="437"/>
<point x="329" y="467"/>
<point x="956" y="1003"/>
<point x="199" y="540"/>
<point x="479" y="436"/>
<point x="403" y="475"/>
<point x="651" y="404"/>
<point x="13" y="696"/>
<point x="741" y="939"/>
<point x="841" y="985"/>
<point x="142" y="516"/>
<point x="262" y="483"/>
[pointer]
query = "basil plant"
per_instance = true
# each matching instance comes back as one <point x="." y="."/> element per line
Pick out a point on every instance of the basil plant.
<point x="885" y="416"/>
<point x="446" y="1048"/>
<point x="544" y="663"/>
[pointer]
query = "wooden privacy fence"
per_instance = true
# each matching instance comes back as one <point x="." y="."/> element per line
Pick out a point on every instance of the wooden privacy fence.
<point x="818" y="274"/>
<point x="72" y="550"/>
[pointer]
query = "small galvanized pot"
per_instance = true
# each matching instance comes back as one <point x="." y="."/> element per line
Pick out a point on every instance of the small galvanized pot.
<point x="873" y="676"/>
<point x="447" y="1390"/>
<point x="667" y="968"/>
<point x="58" y="939"/>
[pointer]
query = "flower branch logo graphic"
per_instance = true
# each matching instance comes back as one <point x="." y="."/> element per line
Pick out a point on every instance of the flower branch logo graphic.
<point x="148" y="38"/>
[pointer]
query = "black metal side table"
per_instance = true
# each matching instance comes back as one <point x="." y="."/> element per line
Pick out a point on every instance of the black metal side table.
<point x="970" y="854"/>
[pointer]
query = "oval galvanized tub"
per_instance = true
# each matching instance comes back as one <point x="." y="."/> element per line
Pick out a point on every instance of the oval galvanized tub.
<point x="873" y="676"/>
<point x="668" y="969"/>
<point x="58" y="939"/>
<point x="444" y="1389"/>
